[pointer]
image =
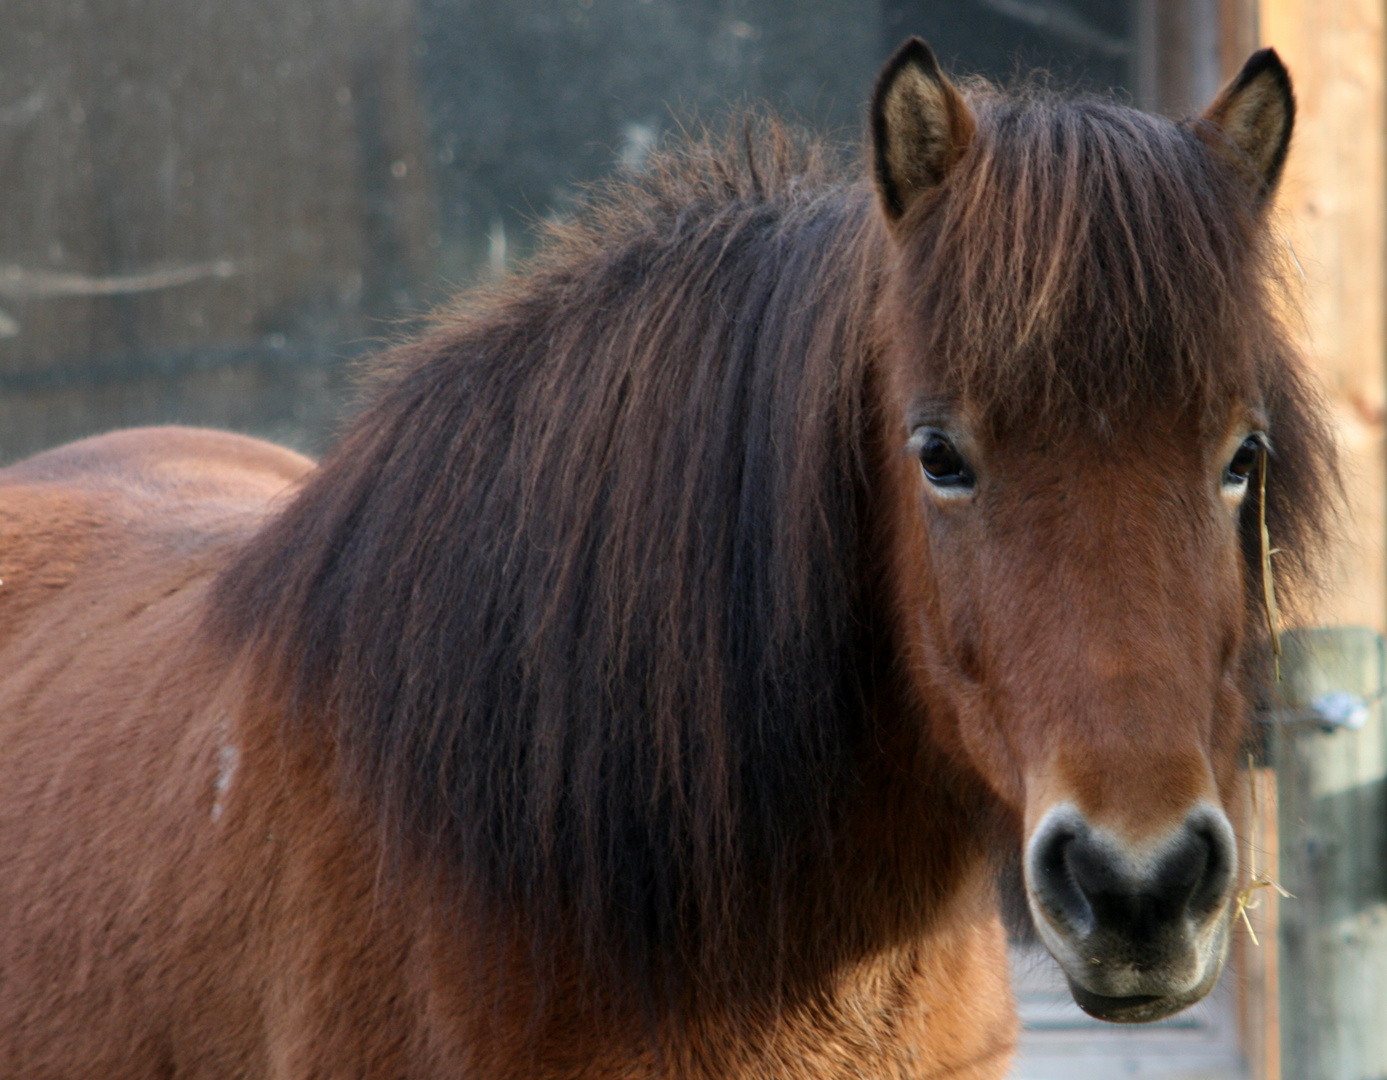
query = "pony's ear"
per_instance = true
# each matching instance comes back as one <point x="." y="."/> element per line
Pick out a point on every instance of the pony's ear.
<point x="1255" y="113"/>
<point x="920" y="128"/>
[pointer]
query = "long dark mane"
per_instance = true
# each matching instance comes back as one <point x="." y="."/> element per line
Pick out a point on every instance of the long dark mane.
<point x="581" y="587"/>
<point x="590" y="594"/>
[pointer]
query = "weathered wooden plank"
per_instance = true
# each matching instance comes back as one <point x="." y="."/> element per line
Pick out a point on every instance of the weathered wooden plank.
<point x="1332" y="940"/>
<point x="1331" y="212"/>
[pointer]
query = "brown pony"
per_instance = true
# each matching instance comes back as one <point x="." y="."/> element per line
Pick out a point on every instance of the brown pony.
<point x="645" y="684"/>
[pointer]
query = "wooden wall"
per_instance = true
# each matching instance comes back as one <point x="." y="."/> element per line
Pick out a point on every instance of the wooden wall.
<point x="1316" y="995"/>
<point x="1331" y="208"/>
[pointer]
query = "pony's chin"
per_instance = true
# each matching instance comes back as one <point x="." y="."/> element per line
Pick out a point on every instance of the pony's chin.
<point x="1145" y="1008"/>
<point x="1141" y="1009"/>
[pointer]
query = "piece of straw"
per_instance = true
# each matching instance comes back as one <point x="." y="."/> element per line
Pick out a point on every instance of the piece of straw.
<point x="1247" y="898"/>
<point x="1268" y="584"/>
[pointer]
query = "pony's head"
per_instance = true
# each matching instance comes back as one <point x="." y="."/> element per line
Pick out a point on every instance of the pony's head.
<point x="1089" y="391"/>
<point x="704" y="604"/>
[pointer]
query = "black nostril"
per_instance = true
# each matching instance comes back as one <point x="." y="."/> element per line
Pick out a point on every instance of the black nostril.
<point x="1193" y="875"/>
<point x="1181" y="871"/>
<point x="1204" y="864"/>
<point x="1085" y="882"/>
<point x="1054" y="884"/>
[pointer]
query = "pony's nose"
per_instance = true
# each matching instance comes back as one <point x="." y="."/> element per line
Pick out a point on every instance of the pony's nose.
<point x="1089" y="883"/>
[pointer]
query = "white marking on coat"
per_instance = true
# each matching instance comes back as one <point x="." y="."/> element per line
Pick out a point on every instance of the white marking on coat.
<point x="228" y="757"/>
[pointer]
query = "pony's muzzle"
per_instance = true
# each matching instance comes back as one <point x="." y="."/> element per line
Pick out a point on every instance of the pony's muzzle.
<point x="1139" y="931"/>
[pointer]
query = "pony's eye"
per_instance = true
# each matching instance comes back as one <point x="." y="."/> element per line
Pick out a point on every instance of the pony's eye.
<point x="1244" y="461"/>
<point x="943" y="464"/>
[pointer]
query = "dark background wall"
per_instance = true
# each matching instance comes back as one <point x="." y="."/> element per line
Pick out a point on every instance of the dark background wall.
<point x="208" y="212"/>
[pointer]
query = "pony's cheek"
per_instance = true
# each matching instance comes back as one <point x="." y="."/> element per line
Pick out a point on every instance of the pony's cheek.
<point x="992" y="730"/>
<point x="948" y="673"/>
<point x="958" y="685"/>
<point x="954" y="649"/>
<point x="952" y="622"/>
<point x="984" y="741"/>
<point x="962" y="646"/>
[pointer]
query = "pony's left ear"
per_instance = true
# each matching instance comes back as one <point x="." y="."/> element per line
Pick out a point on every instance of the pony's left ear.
<point x="1255" y="114"/>
<point x="920" y="128"/>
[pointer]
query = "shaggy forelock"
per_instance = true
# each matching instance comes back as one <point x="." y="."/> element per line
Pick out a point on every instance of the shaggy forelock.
<point x="1086" y="259"/>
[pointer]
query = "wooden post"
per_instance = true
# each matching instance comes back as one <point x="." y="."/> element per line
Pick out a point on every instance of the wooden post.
<point x="1332" y="807"/>
<point x="1333" y="811"/>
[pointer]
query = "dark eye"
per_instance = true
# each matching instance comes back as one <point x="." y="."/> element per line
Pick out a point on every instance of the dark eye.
<point x="1244" y="461"/>
<point x="943" y="464"/>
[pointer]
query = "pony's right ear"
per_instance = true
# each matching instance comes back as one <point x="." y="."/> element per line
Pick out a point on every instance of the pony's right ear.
<point x="920" y="128"/>
<point x="1255" y="113"/>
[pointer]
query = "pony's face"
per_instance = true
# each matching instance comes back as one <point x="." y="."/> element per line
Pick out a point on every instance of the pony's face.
<point x="1079" y="627"/>
<point x="1074" y="602"/>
